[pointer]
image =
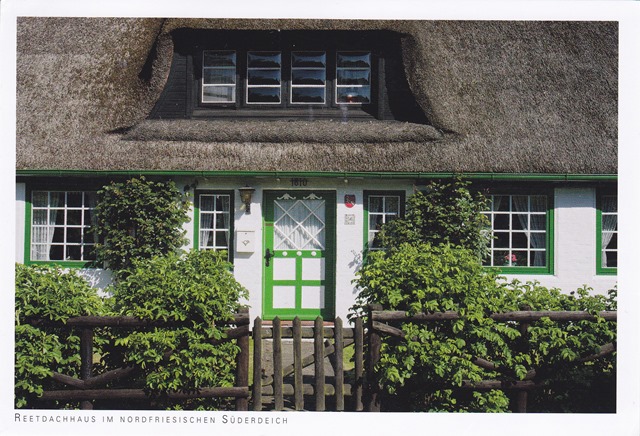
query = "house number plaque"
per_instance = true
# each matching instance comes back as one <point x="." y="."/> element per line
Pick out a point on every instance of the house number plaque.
<point x="299" y="182"/>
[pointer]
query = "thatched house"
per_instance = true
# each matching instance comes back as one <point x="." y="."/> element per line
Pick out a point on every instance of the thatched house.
<point x="332" y="124"/>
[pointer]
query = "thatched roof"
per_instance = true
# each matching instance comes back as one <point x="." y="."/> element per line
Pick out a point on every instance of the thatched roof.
<point x="499" y="96"/>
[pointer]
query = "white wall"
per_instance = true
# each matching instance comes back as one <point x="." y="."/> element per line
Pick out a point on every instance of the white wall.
<point x="574" y="230"/>
<point x="574" y="244"/>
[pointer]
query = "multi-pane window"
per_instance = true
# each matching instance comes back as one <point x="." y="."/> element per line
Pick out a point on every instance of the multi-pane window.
<point x="264" y="77"/>
<point x="283" y="77"/>
<point x="353" y="77"/>
<point x="519" y="224"/>
<point x="219" y="76"/>
<point x="608" y="224"/>
<point x="381" y="208"/>
<point x="214" y="221"/>
<point x="61" y="226"/>
<point x="308" y="77"/>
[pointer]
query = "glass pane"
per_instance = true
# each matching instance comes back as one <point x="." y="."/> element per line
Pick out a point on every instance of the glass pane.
<point x="519" y="221"/>
<point x="317" y="59"/>
<point x="354" y="77"/>
<point x="538" y="258"/>
<point x="56" y="199"/>
<point x="56" y="216"/>
<point x="264" y="77"/>
<point x="74" y="199"/>
<point x="610" y="259"/>
<point x="40" y="216"/>
<point x="519" y="240"/>
<point x="538" y="222"/>
<point x="538" y="203"/>
<point x="263" y="59"/>
<point x="40" y="252"/>
<point x="501" y="258"/>
<point x="206" y="221"/>
<point x="73" y="252"/>
<point x="90" y="199"/>
<point x="74" y="235"/>
<point x="375" y="204"/>
<point x="39" y="234"/>
<point x="222" y="203"/>
<point x="221" y="221"/>
<point x="74" y="217"/>
<point x="375" y="222"/>
<point x="308" y="77"/>
<point x="218" y="94"/>
<point x="392" y="205"/>
<point x="56" y="252"/>
<point x="219" y="76"/>
<point x="263" y="95"/>
<point x="207" y="202"/>
<point x="354" y="59"/>
<point x="58" y="234"/>
<point x="613" y="240"/>
<point x="206" y="238"/>
<point x="89" y="217"/>
<point x="501" y="240"/>
<point x="354" y="94"/>
<point x="40" y="199"/>
<point x="219" y="59"/>
<point x="221" y="239"/>
<point x="519" y="258"/>
<point x="520" y="203"/>
<point x="501" y="203"/>
<point x="610" y="203"/>
<point x="501" y="221"/>
<point x="307" y="95"/>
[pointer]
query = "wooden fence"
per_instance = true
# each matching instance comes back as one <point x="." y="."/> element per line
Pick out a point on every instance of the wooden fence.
<point x="285" y="387"/>
<point x="328" y="343"/>
<point x="379" y="324"/>
<point x="89" y="387"/>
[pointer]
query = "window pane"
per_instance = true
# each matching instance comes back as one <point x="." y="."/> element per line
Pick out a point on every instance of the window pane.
<point x="206" y="221"/>
<point x="307" y="95"/>
<point x="264" y="77"/>
<point x="354" y="94"/>
<point x="610" y="203"/>
<point x="222" y="203"/>
<point x="263" y="95"/>
<point x="206" y="238"/>
<point x="88" y="252"/>
<point x="219" y="76"/>
<point x="392" y="205"/>
<point x="519" y="222"/>
<point x="73" y="252"/>
<point x="221" y="239"/>
<point x="40" y="199"/>
<point x="354" y="77"/>
<point x="375" y="222"/>
<point x="218" y="94"/>
<point x="308" y="59"/>
<point x="222" y="220"/>
<point x="538" y="222"/>
<point x="308" y="77"/>
<point x="207" y="203"/>
<point x="375" y="204"/>
<point x="58" y="234"/>
<point x="613" y="240"/>
<point x="501" y="203"/>
<point x="354" y="59"/>
<point x="40" y="216"/>
<point x="501" y="222"/>
<point x="74" y="235"/>
<point x="501" y="240"/>
<point x="263" y="59"/>
<point x="56" y="252"/>
<point x="610" y="259"/>
<point x="538" y="203"/>
<point x="219" y="59"/>
<point x="74" y="217"/>
<point x="56" y="199"/>
<point x="519" y="240"/>
<point x="74" y="199"/>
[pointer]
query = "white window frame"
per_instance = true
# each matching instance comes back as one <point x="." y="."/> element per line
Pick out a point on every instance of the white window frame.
<point x="218" y="85"/>
<point x="337" y="86"/>
<point x="324" y="86"/>
<point x="214" y="228"/>
<point x="386" y="216"/>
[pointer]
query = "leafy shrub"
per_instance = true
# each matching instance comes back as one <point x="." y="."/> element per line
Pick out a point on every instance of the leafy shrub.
<point x="445" y="212"/>
<point x="139" y="219"/>
<point x="198" y="290"/>
<point x="50" y="293"/>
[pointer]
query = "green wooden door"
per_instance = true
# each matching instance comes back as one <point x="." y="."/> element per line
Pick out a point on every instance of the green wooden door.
<point x="299" y="254"/>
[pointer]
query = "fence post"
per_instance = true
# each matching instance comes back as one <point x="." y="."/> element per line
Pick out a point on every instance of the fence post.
<point x="318" y="352"/>
<point x="277" y="365"/>
<point x="257" y="364"/>
<point x="242" y="369"/>
<point x="338" y="370"/>
<point x="375" y="342"/>
<point x="297" y="364"/>
<point x="359" y="365"/>
<point x="521" y="402"/>
<point x="86" y="360"/>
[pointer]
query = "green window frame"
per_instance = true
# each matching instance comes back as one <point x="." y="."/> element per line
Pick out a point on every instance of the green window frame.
<point x="58" y="225"/>
<point x="213" y="221"/>
<point x="380" y="207"/>
<point x="522" y="228"/>
<point x="606" y="233"/>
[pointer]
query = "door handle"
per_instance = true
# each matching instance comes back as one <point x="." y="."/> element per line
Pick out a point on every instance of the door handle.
<point x="267" y="256"/>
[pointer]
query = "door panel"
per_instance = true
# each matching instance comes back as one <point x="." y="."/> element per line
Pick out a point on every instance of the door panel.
<point x="299" y="252"/>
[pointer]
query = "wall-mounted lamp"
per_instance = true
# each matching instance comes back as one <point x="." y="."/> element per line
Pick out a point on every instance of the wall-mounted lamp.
<point x="245" y="197"/>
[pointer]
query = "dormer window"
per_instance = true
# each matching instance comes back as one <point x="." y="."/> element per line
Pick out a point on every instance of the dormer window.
<point x="287" y="74"/>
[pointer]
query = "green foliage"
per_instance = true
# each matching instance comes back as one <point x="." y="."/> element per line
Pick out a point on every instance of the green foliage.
<point x="197" y="289"/>
<point x="45" y="292"/>
<point x="431" y="263"/>
<point x="139" y="219"/>
<point x="444" y="212"/>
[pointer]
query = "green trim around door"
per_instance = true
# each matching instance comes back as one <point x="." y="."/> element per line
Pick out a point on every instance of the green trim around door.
<point x="298" y="273"/>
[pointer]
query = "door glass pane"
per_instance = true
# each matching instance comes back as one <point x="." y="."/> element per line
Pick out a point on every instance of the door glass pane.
<point x="299" y="224"/>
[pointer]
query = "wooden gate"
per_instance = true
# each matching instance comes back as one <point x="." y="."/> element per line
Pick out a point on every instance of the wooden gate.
<point x="288" y="387"/>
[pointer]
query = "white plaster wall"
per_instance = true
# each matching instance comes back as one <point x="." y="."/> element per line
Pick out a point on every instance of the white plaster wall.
<point x="20" y="221"/>
<point x="574" y="244"/>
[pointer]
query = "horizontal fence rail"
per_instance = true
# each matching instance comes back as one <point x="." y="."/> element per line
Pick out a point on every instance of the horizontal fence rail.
<point x="378" y="325"/>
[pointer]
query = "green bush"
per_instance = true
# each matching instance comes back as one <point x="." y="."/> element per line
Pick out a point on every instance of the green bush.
<point x="197" y="290"/>
<point x="139" y="219"/>
<point x="50" y="293"/>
